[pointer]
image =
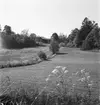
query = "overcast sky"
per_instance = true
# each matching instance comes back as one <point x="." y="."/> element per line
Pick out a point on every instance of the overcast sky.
<point x="44" y="17"/>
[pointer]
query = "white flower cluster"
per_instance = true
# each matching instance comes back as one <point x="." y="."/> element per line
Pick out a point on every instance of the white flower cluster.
<point x="63" y="79"/>
<point x="85" y="77"/>
<point x="59" y="71"/>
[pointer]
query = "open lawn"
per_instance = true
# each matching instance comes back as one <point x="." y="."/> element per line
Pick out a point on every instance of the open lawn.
<point x="72" y="58"/>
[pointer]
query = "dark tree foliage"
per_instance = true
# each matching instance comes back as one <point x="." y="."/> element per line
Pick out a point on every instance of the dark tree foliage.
<point x="87" y="26"/>
<point x="33" y="36"/>
<point x="92" y="40"/>
<point x="63" y="38"/>
<point x="86" y="45"/>
<point x="73" y="34"/>
<point x="72" y="37"/>
<point x="54" y="47"/>
<point x="11" y="40"/>
<point x="7" y="30"/>
<point x="54" y="44"/>
<point x="14" y="41"/>
<point x="55" y="37"/>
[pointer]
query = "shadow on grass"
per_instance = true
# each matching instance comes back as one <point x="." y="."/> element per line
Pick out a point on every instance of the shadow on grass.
<point x="62" y="53"/>
<point x="47" y="60"/>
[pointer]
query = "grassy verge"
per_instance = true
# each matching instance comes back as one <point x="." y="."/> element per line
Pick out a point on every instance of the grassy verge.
<point x="23" y="57"/>
<point x="17" y="63"/>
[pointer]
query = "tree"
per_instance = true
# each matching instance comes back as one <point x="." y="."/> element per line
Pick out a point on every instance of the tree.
<point x="87" y="26"/>
<point x="0" y="28"/>
<point x="73" y="34"/>
<point x="54" y="44"/>
<point x="7" y="30"/>
<point x="55" y="37"/>
<point x="72" y="37"/>
<point x="92" y="40"/>
<point x="24" y="32"/>
<point x="33" y="36"/>
<point x="62" y="38"/>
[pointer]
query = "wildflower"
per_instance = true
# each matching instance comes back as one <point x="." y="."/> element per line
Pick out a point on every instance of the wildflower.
<point x="66" y="71"/>
<point x="83" y="71"/>
<point x="58" y="84"/>
<point x="49" y="75"/>
<point x="55" y="71"/>
<point x="77" y="73"/>
<point x="83" y="79"/>
<point x="73" y="85"/>
<point x="57" y="67"/>
<point x="88" y="78"/>
<point x="64" y="68"/>
<point x="47" y="79"/>
<point x="90" y="85"/>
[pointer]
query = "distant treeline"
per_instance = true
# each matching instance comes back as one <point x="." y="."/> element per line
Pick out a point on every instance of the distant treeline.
<point x="11" y="40"/>
<point x="85" y="38"/>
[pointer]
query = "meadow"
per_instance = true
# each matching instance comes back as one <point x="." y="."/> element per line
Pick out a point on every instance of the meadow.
<point x="35" y="76"/>
<point x="20" y="57"/>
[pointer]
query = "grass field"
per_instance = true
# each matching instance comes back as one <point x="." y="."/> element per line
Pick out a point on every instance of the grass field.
<point x="72" y="58"/>
<point x="21" y="54"/>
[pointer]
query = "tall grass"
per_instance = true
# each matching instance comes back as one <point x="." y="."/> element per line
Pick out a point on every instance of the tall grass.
<point x="61" y="88"/>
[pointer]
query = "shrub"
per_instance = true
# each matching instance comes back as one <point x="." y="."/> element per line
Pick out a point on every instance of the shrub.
<point x="62" y="44"/>
<point x="42" y="55"/>
<point x="54" y="47"/>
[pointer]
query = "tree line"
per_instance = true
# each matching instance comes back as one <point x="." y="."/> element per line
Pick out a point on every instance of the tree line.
<point x="85" y="38"/>
<point x="11" y="40"/>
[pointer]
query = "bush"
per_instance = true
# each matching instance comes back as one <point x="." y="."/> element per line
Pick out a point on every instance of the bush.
<point x="54" y="47"/>
<point x="62" y="44"/>
<point x="42" y="55"/>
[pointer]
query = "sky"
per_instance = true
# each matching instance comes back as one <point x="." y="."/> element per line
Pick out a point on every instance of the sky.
<point x="44" y="17"/>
